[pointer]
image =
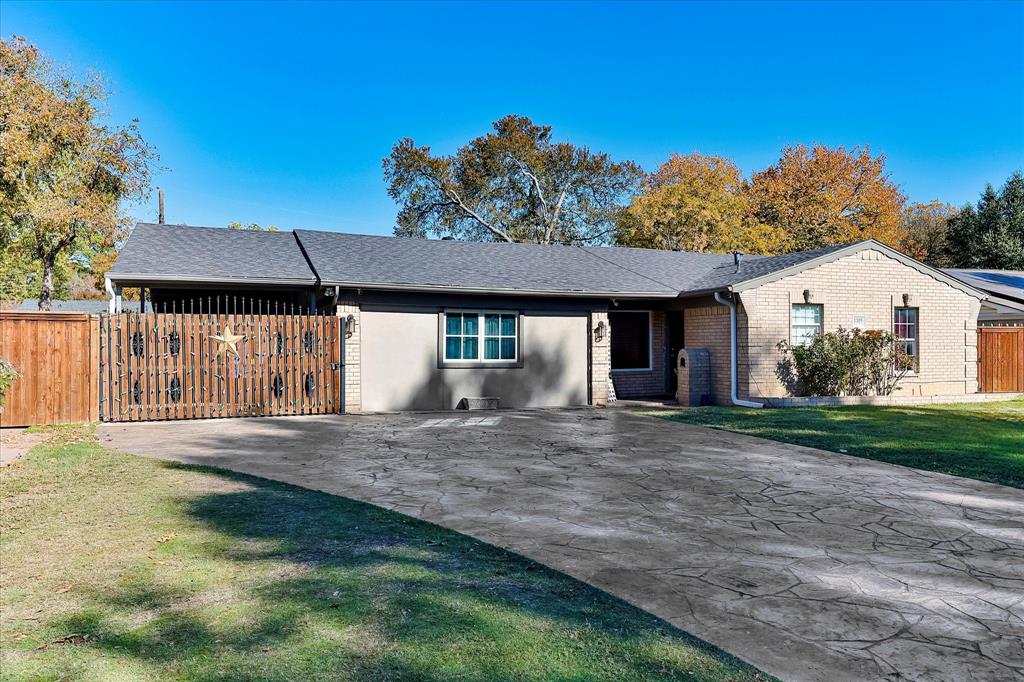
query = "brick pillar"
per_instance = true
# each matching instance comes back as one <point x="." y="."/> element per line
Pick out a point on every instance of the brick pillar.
<point x="600" y="358"/>
<point x="353" y="353"/>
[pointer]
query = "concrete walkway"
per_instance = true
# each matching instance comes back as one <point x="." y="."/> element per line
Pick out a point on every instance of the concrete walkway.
<point x="810" y="565"/>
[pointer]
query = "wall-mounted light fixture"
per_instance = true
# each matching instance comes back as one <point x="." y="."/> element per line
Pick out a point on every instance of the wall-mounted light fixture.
<point x="600" y="330"/>
<point x="807" y="295"/>
<point x="350" y="325"/>
<point x="906" y="300"/>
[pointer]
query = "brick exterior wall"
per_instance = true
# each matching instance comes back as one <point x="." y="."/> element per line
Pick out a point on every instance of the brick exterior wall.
<point x="706" y="325"/>
<point x="637" y="384"/>
<point x="600" y="359"/>
<point x="353" y="353"/>
<point x="866" y="285"/>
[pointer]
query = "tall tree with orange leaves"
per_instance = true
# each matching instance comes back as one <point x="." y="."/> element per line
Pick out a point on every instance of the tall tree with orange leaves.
<point x="821" y="196"/>
<point x="696" y="203"/>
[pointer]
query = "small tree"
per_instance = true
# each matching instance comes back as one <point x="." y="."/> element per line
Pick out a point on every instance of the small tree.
<point x="63" y="172"/>
<point x="925" y="229"/>
<point x="846" y="362"/>
<point x="512" y="185"/>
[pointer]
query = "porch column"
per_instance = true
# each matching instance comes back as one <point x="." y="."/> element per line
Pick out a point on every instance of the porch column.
<point x="353" y="354"/>
<point x="600" y="357"/>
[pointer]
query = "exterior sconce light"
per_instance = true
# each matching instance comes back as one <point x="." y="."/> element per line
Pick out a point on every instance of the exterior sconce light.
<point x="906" y="300"/>
<point x="350" y="325"/>
<point x="600" y="330"/>
<point x="807" y="295"/>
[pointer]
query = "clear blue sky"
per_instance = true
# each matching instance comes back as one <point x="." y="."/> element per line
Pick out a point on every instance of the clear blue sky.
<point x="281" y="113"/>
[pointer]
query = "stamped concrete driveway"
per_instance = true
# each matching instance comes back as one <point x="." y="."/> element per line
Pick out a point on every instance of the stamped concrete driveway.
<point x="810" y="565"/>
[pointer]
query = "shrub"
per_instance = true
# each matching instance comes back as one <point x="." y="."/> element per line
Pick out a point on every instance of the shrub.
<point x="845" y="362"/>
<point x="7" y="376"/>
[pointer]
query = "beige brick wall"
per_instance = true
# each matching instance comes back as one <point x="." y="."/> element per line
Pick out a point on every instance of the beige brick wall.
<point x="635" y="384"/>
<point x="353" y="354"/>
<point x="866" y="285"/>
<point x="706" y="325"/>
<point x="600" y="359"/>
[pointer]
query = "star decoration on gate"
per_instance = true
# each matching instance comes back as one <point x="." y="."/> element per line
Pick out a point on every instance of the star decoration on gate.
<point x="227" y="342"/>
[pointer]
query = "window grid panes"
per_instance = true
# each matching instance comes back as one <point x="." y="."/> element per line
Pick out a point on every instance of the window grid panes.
<point x="466" y="332"/>
<point x="805" y="323"/>
<point x="499" y="336"/>
<point x="462" y="336"/>
<point x="904" y="322"/>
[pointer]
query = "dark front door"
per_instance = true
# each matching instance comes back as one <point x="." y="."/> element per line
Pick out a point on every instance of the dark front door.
<point x="674" y="322"/>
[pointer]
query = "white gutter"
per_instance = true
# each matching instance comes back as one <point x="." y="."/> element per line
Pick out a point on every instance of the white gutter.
<point x="733" y="343"/>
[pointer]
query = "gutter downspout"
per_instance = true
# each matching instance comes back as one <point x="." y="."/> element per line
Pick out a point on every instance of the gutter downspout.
<point x="733" y="353"/>
<point x="110" y="292"/>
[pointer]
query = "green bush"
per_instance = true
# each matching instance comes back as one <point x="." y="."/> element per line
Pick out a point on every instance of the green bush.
<point x="7" y="376"/>
<point x="846" y="362"/>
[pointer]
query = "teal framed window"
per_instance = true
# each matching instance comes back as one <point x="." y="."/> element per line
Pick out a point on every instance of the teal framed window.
<point x="480" y="337"/>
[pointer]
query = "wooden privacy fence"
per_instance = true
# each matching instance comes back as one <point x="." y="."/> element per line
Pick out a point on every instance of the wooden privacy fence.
<point x="1000" y="359"/>
<point x="56" y="356"/>
<point x="195" y="366"/>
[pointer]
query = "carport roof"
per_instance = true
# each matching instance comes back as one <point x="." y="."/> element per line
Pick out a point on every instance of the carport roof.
<point x="158" y="254"/>
<point x="178" y="253"/>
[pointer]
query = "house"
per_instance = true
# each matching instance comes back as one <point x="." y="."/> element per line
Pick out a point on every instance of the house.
<point x="1005" y="289"/>
<point x="71" y="305"/>
<point x="436" y="321"/>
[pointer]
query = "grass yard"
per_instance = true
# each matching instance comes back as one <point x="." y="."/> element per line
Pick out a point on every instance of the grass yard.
<point x="984" y="441"/>
<point x="116" y="567"/>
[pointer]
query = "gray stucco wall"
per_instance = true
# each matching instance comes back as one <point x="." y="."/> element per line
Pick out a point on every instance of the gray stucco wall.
<point x="400" y="369"/>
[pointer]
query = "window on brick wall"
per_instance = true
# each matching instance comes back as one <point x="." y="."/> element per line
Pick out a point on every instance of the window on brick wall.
<point x="631" y="340"/>
<point x="904" y="327"/>
<point x="805" y="322"/>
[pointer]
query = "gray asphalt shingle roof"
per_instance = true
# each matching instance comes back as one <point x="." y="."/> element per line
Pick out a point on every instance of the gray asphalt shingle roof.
<point x="173" y="253"/>
<point x="354" y="259"/>
<point x="211" y="254"/>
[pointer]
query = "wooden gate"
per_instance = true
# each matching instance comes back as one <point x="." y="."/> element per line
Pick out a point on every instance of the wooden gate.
<point x="55" y="354"/>
<point x="1000" y="359"/>
<point x="174" y="365"/>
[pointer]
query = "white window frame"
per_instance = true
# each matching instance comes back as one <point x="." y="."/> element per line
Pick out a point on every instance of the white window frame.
<point x="480" y="361"/>
<point x="820" y="325"/>
<point x="916" y="366"/>
<point x="650" y="344"/>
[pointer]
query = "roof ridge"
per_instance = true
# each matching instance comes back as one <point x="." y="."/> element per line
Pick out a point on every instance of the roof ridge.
<point x="623" y="267"/>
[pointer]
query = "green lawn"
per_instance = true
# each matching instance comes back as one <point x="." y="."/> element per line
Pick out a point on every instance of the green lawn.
<point x="976" y="440"/>
<point x="116" y="567"/>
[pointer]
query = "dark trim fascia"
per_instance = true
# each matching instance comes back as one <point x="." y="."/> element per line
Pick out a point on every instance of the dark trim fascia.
<point x="170" y="280"/>
<point x="441" y="288"/>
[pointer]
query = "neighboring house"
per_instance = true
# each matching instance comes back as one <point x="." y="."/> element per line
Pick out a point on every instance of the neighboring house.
<point x="66" y="306"/>
<point x="439" y="320"/>
<point x="1005" y="288"/>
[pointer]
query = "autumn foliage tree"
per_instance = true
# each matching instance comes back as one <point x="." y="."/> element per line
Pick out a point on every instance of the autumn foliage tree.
<point x="819" y="196"/>
<point x="64" y="172"/>
<point x="514" y="184"/>
<point x="925" y="226"/>
<point x="695" y="203"/>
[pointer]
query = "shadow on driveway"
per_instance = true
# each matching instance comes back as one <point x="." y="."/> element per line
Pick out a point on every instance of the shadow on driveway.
<point x="808" y="564"/>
